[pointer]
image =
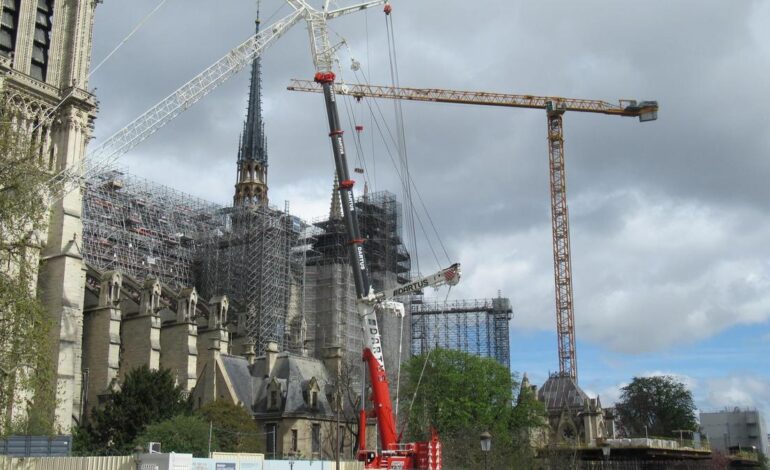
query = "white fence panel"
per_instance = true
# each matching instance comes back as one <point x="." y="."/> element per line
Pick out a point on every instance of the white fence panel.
<point x="68" y="463"/>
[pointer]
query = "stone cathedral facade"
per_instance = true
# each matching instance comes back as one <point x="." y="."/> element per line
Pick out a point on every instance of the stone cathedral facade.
<point x="45" y="54"/>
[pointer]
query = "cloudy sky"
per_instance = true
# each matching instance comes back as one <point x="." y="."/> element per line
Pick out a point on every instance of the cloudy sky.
<point x="670" y="220"/>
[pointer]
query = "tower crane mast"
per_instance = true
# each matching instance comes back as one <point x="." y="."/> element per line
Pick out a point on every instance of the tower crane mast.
<point x="555" y="107"/>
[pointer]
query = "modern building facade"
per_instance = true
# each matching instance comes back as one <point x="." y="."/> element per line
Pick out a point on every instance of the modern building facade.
<point x="732" y="429"/>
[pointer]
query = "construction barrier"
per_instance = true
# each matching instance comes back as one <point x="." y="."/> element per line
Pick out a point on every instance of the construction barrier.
<point x="219" y="462"/>
<point x="68" y="463"/>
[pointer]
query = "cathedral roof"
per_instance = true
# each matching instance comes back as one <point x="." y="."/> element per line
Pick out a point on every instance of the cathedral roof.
<point x="561" y="391"/>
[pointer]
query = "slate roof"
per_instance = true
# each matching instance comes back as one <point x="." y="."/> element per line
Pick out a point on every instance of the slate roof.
<point x="292" y="372"/>
<point x="237" y="370"/>
<point x="561" y="391"/>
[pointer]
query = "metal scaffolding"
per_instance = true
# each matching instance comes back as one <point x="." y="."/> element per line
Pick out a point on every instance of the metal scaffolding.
<point x="142" y="228"/>
<point x="380" y="220"/>
<point x="330" y="302"/>
<point x="255" y="257"/>
<point x="478" y="326"/>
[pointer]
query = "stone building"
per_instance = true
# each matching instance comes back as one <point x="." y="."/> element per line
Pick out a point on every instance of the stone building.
<point x="131" y="289"/>
<point x="291" y="397"/>
<point x="45" y="54"/>
<point x="330" y="294"/>
<point x="573" y="417"/>
<point x="130" y="323"/>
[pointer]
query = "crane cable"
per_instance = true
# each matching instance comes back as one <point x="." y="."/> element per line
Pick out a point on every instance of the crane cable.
<point x="102" y="62"/>
<point x="422" y="372"/>
<point x="398" y="172"/>
<point x="404" y="175"/>
<point x="402" y="150"/>
<point x="361" y="157"/>
<point x="398" y="168"/>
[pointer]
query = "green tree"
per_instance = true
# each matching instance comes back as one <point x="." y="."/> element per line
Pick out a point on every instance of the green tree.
<point x="461" y="396"/>
<point x="182" y="434"/>
<point x="233" y="427"/>
<point x="662" y="404"/>
<point x="529" y="429"/>
<point x="146" y="397"/>
<point x="26" y="369"/>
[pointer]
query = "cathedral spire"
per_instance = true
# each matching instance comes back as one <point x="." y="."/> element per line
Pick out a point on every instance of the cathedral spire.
<point x="335" y="211"/>
<point x="251" y="186"/>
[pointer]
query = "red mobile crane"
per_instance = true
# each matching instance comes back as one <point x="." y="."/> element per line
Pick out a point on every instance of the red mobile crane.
<point x="394" y="455"/>
<point x="420" y="455"/>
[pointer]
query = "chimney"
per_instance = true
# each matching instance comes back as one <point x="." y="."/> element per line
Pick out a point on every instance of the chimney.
<point x="249" y="353"/>
<point x="271" y="354"/>
<point x="333" y="360"/>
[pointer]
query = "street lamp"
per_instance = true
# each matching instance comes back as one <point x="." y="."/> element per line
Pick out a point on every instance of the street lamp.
<point x="486" y="446"/>
<point x="606" y="449"/>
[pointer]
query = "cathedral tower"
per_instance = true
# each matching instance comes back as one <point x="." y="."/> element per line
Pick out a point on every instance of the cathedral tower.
<point x="45" y="55"/>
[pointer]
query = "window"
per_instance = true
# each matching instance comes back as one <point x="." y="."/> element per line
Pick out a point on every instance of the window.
<point x="42" y="39"/>
<point x="271" y="439"/>
<point x="9" y="22"/>
<point x="313" y="399"/>
<point x="316" y="438"/>
<point x="294" y="440"/>
<point x="274" y="396"/>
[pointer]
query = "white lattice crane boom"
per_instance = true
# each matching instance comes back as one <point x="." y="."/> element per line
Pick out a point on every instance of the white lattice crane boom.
<point x="104" y="156"/>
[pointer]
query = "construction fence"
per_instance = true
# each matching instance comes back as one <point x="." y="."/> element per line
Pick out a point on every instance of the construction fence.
<point x="67" y="463"/>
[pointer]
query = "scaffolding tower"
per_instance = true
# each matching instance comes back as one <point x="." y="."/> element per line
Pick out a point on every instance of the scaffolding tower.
<point x="255" y="257"/>
<point x="380" y="217"/>
<point x="143" y="229"/>
<point x="330" y="302"/>
<point x="478" y="326"/>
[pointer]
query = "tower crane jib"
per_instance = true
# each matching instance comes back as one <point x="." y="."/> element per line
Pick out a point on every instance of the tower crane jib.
<point x="555" y="108"/>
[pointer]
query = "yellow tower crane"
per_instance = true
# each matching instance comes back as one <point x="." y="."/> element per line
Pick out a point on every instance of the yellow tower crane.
<point x="555" y="108"/>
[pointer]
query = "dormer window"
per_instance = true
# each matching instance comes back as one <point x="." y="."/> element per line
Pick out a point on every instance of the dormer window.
<point x="273" y="396"/>
<point x="310" y="393"/>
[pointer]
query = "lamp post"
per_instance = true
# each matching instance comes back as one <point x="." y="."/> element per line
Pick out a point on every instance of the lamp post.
<point x="486" y="446"/>
<point x="606" y="451"/>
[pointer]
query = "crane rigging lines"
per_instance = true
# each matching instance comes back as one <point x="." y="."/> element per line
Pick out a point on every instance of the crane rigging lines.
<point x="103" y="157"/>
<point x="555" y="107"/>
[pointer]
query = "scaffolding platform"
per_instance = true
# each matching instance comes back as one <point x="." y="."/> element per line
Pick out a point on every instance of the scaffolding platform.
<point x="143" y="229"/>
<point x="477" y="326"/>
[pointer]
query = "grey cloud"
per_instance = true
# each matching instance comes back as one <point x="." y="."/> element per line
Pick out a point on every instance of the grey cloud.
<point x="483" y="172"/>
